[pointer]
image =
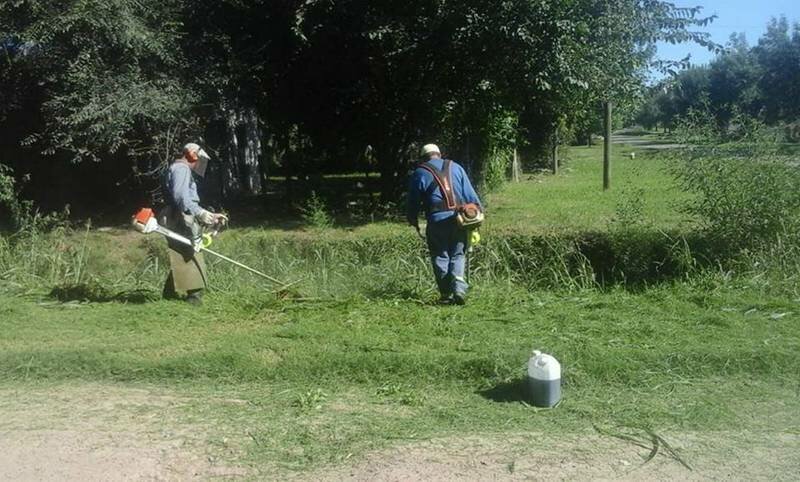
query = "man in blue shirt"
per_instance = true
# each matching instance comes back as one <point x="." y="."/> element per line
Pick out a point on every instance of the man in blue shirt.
<point x="184" y="215"/>
<point x="447" y="241"/>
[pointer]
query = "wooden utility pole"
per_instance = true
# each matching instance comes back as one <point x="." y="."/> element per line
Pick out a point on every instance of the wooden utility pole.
<point x="516" y="169"/>
<point x="607" y="148"/>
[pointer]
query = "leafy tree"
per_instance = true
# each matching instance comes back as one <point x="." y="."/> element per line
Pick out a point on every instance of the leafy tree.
<point x="763" y="82"/>
<point x="111" y="71"/>
<point x="319" y="83"/>
<point x="778" y="55"/>
<point x="733" y="81"/>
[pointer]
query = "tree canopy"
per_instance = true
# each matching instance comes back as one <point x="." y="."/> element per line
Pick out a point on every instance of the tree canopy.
<point x="309" y="85"/>
<point x="762" y="81"/>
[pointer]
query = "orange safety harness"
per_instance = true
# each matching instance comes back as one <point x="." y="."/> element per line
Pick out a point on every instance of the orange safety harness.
<point x="468" y="214"/>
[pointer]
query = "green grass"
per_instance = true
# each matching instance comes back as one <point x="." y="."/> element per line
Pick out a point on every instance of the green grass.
<point x="362" y="374"/>
<point x="365" y="360"/>
<point x="574" y="201"/>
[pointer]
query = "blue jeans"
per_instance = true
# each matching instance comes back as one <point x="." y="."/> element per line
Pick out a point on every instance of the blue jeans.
<point x="447" y="243"/>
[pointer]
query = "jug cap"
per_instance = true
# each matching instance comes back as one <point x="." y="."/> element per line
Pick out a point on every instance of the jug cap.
<point x="542" y="366"/>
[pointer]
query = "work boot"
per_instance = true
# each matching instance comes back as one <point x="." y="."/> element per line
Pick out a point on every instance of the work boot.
<point x="460" y="299"/>
<point x="195" y="297"/>
<point x="446" y="299"/>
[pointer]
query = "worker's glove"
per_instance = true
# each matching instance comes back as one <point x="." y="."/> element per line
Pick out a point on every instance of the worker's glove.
<point x="207" y="218"/>
<point x="221" y="220"/>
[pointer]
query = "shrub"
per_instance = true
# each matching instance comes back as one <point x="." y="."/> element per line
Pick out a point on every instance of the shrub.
<point x="500" y="141"/>
<point x="315" y="212"/>
<point x="19" y="211"/>
<point x="746" y="190"/>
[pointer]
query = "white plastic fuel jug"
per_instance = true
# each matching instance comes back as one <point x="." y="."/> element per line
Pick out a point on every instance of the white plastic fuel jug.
<point x="544" y="380"/>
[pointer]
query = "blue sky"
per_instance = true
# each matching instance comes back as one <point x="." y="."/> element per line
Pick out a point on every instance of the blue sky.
<point x="748" y="16"/>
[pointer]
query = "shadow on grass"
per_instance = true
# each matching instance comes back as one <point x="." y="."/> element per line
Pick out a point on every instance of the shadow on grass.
<point x="514" y="391"/>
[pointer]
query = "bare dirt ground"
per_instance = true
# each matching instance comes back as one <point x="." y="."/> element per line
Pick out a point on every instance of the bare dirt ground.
<point x="99" y="432"/>
<point x="109" y="432"/>
<point x="720" y="456"/>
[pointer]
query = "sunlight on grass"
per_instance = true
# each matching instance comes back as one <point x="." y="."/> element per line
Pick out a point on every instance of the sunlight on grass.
<point x="575" y="201"/>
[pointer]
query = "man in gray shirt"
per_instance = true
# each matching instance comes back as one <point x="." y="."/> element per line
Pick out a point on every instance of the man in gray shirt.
<point x="184" y="215"/>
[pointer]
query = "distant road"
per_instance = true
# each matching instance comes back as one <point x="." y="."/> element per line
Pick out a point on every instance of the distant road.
<point x="643" y="142"/>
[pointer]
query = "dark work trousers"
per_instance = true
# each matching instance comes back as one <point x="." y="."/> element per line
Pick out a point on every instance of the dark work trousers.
<point x="447" y="244"/>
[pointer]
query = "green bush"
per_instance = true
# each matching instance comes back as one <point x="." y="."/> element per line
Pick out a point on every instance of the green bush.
<point x="500" y="141"/>
<point x="497" y="164"/>
<point x="746" y="190"/>
<point x="315" y="212"/>
<point x="19" y="211"/>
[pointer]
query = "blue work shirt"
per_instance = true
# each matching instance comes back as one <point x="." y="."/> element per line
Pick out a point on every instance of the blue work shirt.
<point x="180" y="188"/>
<point x="423" y="190"/>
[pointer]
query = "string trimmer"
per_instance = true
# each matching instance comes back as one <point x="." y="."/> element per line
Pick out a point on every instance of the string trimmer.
<point x="145" y="222"/>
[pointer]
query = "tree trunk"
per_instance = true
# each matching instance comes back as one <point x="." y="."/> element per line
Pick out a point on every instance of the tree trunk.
<point x="240" y="170"/>
<point x="230" y="165"/>
<point x="554" y="157"/>
<point x="251" y="152"/>
<point x="390" y="166"/>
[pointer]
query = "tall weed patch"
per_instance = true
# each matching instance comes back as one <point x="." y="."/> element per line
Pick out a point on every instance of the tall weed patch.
<point x="746" y="189"/>
<point x="86" y="264"/>
<point x="40" y="251"/>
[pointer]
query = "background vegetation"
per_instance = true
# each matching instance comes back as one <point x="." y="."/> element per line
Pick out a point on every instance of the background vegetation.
<point x="99" y="93"/>
<point x="757" y="81"/>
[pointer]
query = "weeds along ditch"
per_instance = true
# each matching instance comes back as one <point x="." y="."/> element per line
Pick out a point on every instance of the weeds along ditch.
<point x="116" y="265"/>
<point x="738" y="188"/>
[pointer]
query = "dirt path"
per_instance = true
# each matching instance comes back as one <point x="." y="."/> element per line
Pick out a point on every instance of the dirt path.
<point x="100" y="432"/>
<point x="720" y="456"/>
<point x="640" y="142"/>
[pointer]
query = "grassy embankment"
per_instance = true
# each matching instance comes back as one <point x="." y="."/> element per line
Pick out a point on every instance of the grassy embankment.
<point x="364" y="360"/>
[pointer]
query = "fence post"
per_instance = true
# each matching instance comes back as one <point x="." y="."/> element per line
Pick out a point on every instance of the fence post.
<point x="555" y="152"/>
<point x="607" y="148"/>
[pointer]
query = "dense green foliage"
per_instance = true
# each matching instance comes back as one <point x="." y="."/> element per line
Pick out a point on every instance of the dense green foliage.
<point x="760" y="81"/>
<point x="745" y="182"/>
<point x="305" y="87"/>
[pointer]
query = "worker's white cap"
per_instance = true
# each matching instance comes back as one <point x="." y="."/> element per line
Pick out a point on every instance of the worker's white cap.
<point x="191" y="147"/>
<point x="430" y="148"/>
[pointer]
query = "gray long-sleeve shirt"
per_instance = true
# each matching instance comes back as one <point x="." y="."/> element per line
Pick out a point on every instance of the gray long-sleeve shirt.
<point x="180" y="188"/>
